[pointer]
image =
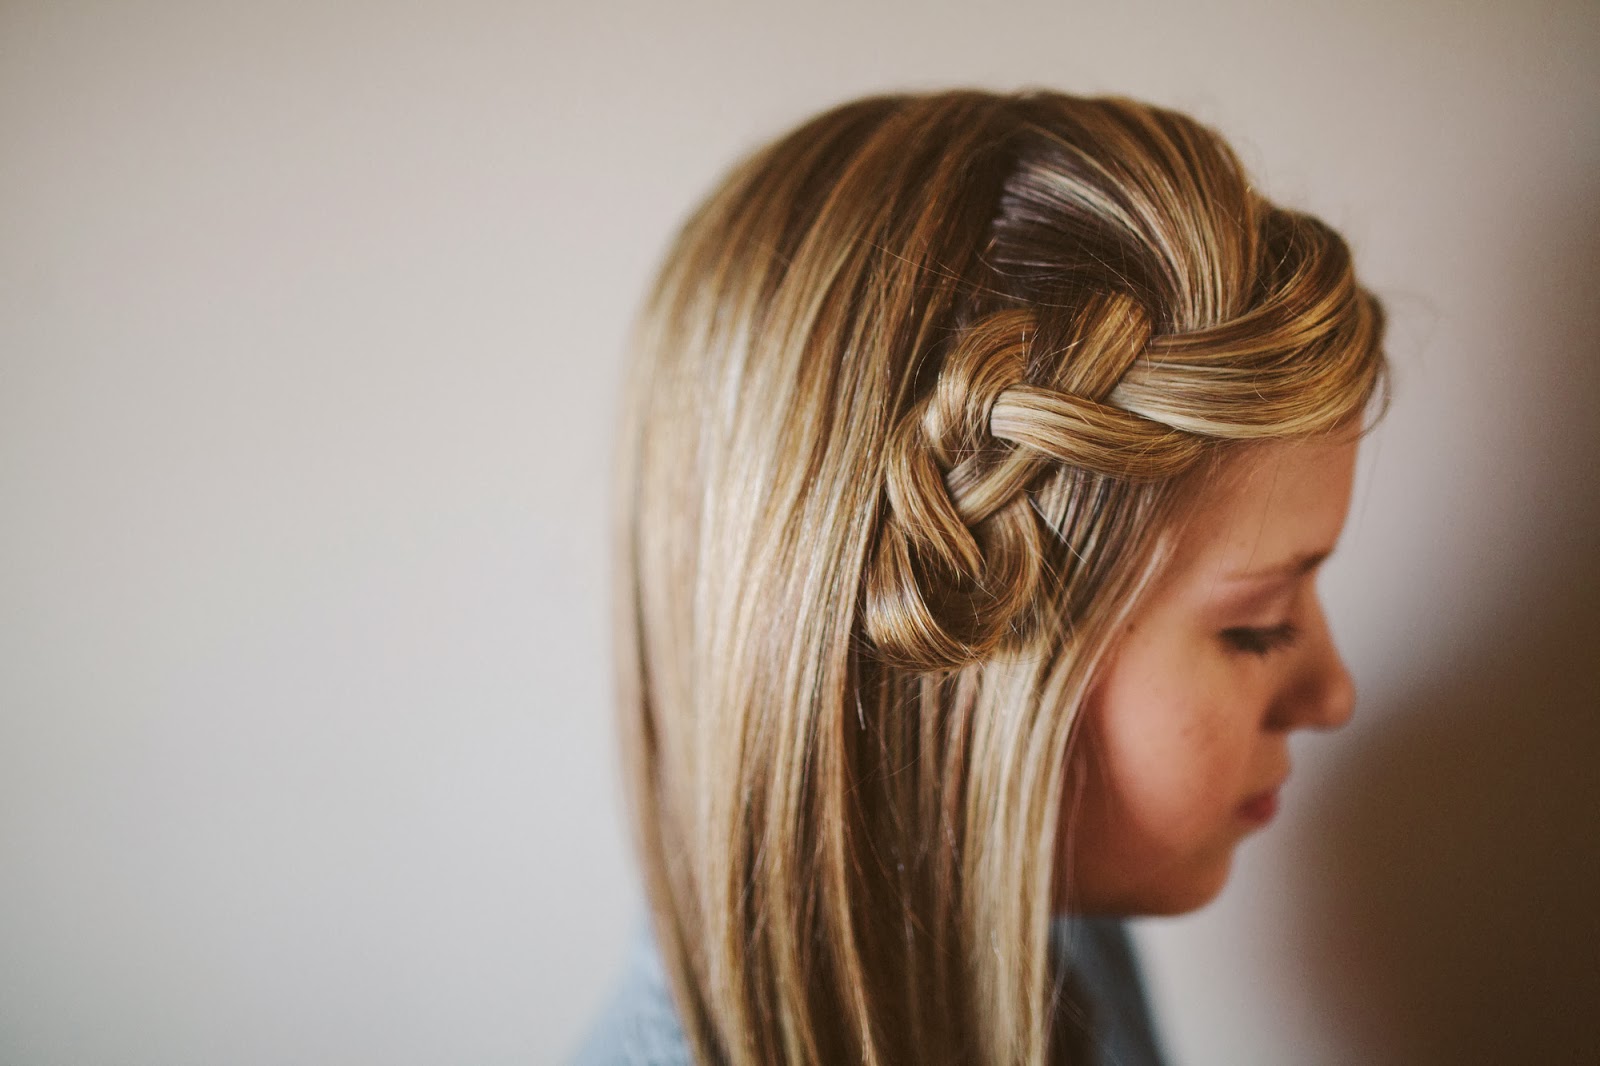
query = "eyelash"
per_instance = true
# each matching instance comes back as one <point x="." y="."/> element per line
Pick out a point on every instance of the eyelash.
<point x="1261" y="640"/>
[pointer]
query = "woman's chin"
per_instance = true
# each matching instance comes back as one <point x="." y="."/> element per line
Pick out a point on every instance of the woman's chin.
<point x="1181" y="892"/>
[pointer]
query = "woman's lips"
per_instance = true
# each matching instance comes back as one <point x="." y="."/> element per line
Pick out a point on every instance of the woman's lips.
<point x="1259" y="809"/>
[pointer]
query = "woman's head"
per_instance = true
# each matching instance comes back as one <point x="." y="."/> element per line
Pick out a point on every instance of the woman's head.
<point x="938" y="405"/>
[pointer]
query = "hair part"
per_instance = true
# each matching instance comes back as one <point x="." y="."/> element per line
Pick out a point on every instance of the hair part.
<point x="916" y="402"/>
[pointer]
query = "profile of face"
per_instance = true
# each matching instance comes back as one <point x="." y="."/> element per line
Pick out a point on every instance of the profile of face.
<point x="1183" y="743"/>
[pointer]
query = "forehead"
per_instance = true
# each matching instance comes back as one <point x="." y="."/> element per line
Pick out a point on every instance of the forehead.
<point x="1271" y="506"/>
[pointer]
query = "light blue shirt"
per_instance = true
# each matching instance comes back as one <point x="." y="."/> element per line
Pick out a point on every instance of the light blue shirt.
<point x="639" y="1026"/>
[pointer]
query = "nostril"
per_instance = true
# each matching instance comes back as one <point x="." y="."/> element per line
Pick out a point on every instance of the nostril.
<point x="1338" y="697"/>
<point x="1322" y="697"/>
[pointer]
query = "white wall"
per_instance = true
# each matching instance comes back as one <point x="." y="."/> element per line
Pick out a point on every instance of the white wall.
<point x="309" y="330"/>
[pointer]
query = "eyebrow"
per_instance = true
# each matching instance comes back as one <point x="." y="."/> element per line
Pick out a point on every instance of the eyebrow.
<point x="1298" y="566"/>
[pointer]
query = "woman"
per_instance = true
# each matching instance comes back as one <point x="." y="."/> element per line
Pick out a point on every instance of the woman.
<point x="980" y="454"/>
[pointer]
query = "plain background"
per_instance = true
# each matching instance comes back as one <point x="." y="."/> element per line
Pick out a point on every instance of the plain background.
<point x="310" y="332"/>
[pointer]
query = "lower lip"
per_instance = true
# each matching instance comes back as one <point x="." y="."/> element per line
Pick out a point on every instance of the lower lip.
<point x="1258" y="810"/>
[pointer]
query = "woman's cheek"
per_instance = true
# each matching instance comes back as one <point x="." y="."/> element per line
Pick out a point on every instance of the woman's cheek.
<point x="1168" y="776"/>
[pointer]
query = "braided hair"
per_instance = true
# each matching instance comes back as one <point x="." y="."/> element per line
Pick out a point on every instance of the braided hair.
<point x="919" y="396"/>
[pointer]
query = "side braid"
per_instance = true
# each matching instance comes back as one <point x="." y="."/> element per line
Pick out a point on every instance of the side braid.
<point x="961" y="551"/>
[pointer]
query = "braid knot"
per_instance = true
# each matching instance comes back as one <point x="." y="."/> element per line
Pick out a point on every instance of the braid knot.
<point x="961" y="552"/>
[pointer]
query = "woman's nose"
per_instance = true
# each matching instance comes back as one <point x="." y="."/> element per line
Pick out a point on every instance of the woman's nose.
<point x="1322" y="694"/>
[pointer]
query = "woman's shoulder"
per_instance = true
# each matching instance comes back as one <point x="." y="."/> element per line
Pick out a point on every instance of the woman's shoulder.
<point x="638" y="1026"/>
<point x="1101" y="955"/>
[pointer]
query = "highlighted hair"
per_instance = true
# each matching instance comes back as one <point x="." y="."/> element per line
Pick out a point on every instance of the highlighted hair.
<point x="919" y="391"/>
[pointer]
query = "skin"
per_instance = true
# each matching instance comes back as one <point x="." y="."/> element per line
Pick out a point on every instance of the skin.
<point x="1226" y="657"/>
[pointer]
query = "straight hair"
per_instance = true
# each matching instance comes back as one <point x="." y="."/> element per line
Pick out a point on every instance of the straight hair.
<point x="918" y="399"/>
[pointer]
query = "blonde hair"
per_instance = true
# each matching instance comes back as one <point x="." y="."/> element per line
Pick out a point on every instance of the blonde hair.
<point x="917" y="394"/>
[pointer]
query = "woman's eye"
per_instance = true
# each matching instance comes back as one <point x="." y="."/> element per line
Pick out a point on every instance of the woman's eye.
<point x="1261" y="640"/>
